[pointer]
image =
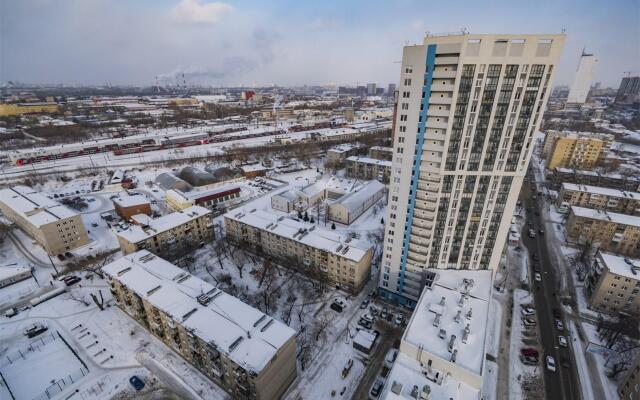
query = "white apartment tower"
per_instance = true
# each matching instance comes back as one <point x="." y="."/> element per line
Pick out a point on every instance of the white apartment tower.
<point x="468" y="107"/>
<point x="582" y="81"/>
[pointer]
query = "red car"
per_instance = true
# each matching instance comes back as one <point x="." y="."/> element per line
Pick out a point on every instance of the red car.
<point x="71" y="280"/>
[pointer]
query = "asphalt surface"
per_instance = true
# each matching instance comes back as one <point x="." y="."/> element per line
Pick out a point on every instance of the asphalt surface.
<point x="563" y="383"/>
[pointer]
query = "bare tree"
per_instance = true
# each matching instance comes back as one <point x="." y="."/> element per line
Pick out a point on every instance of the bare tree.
<point x="238" y="258"/>
<point x="322" y="323"/>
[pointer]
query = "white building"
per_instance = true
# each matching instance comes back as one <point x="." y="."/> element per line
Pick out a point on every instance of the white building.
<point x="349" y="207"/>
<point x="468" y="108"/>
<point x="442" y="352"/>
<point x="582" y="81"/>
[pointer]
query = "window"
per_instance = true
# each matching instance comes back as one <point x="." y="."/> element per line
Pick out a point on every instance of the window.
<point x="408" y="69"/>
<point x="407" y="82"/>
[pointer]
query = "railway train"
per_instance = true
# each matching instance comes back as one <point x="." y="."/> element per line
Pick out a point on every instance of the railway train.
<point x="137" y="144"/>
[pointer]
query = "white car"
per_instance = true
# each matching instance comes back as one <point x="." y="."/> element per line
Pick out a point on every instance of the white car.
<point x="527" y="311"/>
<point x="537" y="277"/>
<point x="551" y="364"/>
<point x="559" y="325"/>
<point x="562" y="341"/>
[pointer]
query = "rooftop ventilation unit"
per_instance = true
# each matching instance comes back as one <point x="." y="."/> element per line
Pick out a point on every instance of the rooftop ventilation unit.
<point x="187" y="315"/>
<point x="454" y="355"/>
<point x="396" y="387"/>
<point x="426" y="391"/>
<point x="345" y="250"/>
<point x="442" y="334"/>
<point x="436" y="321"/>
<point x="206" y="298"/>
<point x="414" y="391"/>
<point x="442" y="301"/>
<point x="235" y="343"/>
<point x="465" y="335"/>
<point x="124" y="271"/>
<point x="147" y="257"/>
<point x="470" y="313"/>
<point x="152" y="291"/>
<point x="452" y="342"/>
<point x="457" y="317"/>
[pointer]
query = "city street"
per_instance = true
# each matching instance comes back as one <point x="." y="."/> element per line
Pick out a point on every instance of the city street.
<point x="563" y="383"/>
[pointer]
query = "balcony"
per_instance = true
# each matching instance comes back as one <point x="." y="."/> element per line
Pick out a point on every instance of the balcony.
<point x="442" y="87"/>
<point x="416" y="258"/>
<point x="429" y="146"/>
<point x="440" y="100"/>
<point x="446" y="60"/>
<point x="434" y="112"/>
<point x="441" y="74"/>
<point x="430" y="167"/>
<point x="433" y="124"/>
<point x="431" y="135"/>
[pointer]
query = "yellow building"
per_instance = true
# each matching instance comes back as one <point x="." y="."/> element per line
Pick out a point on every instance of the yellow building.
<point x="612" y="284"/>
<point x="7" y="110"/>
<point x="307" y="247"/>
<point x="580" y="150"/>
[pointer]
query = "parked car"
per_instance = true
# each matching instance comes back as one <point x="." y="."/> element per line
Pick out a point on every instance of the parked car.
<point x="559" y="325"/>
<point x="390" y="358"/>
<point x="564" y="362"/>
<point x="136" y="383"/>
<point x="541" y="232"/>
<point x="532" y="233"/>
<point x="364" y="304"/>
<point x="384" y="312"/>
<point x="399" y="319"/>
<point x="537" y="277"/>
<point x="35" y="330"/>
<point x="551" y="364"/>
<point x="534" y="257"/>
<point x="556" y="313"/>
<point x="528" y="360"/>
<point x="367" y="317"/>
<point x="364" y="323"/>
<point x="338" y="304"/>
<point x="69" y="255"/>
<point x="529" y="322"/>
<point x="376" y="388"/>
<point x="373" y="310"/>
<point x="71" y="280"/>
<point x="527" y="311"/>
<point x="60" y="257"/>
<point x="562" y="341"/>
<point x="12" y="312"/>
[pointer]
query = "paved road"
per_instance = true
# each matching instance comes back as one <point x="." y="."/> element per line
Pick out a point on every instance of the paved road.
<point x="563" y="383"/>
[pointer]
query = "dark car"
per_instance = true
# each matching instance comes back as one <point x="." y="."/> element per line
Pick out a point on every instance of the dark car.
<point x="71" y="280"/>
<point x="534" y="257"/>
<point x="60" y="257"/>
<point x="376" y="388"/>
<point x="68" y="254"/>
<point x="556" y="313"/>
<point x="35" y="330"/>
<point x="136" y="383"/>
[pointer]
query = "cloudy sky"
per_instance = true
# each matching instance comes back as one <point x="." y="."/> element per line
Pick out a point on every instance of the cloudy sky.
<point x="284" y="42"/>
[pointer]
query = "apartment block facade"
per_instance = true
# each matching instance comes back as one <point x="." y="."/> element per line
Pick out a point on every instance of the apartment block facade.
<point x="625" y="182"/>
<point x="629" y="386"/>
<point x="608" y="231"/>
<point x="55" y="227"/>
<point x="613" y="284"/>
<point x="368" y="168"/>
<point x="168" y="234"/>
<point x="346" y="264"/>
<point x="580" y="150"/>
<point x="244" y="351"/>
<point x="599" y="198"/>
<point x="468" y="108"/>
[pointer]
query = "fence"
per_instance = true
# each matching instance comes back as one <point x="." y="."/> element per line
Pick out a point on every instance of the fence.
<point x="59" y="385"/>
<point x="25" y="352"/>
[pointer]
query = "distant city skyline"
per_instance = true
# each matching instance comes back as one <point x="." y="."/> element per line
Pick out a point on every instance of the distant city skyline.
<point x="284" y="42"/>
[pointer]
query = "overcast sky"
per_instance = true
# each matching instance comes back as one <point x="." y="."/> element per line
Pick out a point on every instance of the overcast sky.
<point x="285" y="42"/>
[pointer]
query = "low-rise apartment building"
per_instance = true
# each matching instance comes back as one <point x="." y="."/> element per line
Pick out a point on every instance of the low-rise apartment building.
<point x="211" y="198"/>
<point x="368" y="168"/>
<point x="168" y="234"/>
<point x="629" y="386"/>
<point x="241" y="349"/>
<point x="599" y="198"/>
<point x="561" y="175"/>
<point x="582" y="150"/>
<point x="613" y="284"/>
<point x="55" y="227"/>
<point x="442" y="351"/>
<point x="381" y="153"/>
<point x="337" y="154"/>
<point x="320" y="252"/>
<point x="609" y="231"/>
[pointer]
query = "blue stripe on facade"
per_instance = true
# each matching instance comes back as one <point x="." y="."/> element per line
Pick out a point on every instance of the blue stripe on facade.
<point x="426" y="90"/>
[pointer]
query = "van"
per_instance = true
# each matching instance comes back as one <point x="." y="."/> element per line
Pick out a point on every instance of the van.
<point x="390" y="358"/>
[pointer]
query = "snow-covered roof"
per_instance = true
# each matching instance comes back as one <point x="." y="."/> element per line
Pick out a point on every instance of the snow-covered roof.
<point x="253" y="167"/>
<point x="369" y="160"/>
<point x="354" y="200"/>
<point x="601" y="191"/>
<point x="33" y="206"/>
<point x="136" y="233"/>
<point x="622" y="219"/>
<point x="380" y="148"/>
<point x="244" y="334"/>
<point x="130" y="200"/>
<point x="201" y="194"/>
<point x="407" y="373"/>
<point x="467" y="292"/>
<point x="8" y="272"/>
<point x="623" y="266"/>
<point x="343" y="148"/>
<point x="306" y="233"/>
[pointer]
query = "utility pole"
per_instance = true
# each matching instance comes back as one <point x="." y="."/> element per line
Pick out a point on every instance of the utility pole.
<point x="52" y="264"/>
